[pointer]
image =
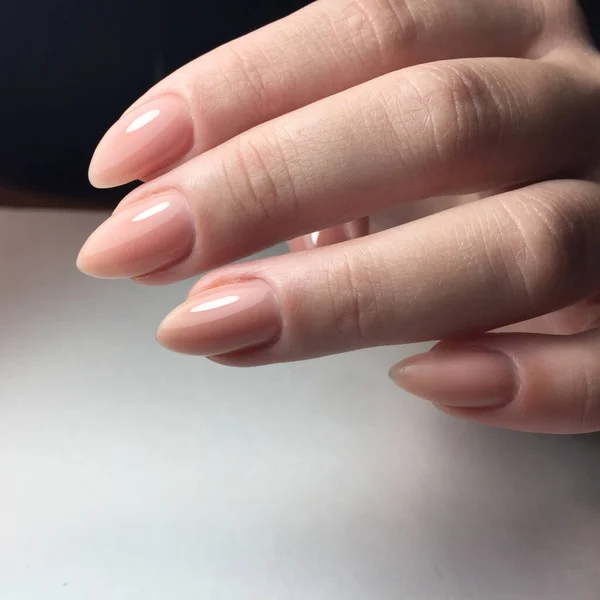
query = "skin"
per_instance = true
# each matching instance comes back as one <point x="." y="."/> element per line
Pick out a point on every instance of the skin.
<point x="458" y="138"/>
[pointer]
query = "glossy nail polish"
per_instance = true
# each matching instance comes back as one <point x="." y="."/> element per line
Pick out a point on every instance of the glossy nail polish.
<point x="147" y="236"/>
<point x="143" y="143"/>
<point x="459" y="378"/>
<point x="334" y="235"/>
<point x="229" y="318"/>
<point x="326" y="237"/>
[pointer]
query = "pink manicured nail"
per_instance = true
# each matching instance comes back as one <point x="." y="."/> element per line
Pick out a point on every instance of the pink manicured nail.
<point x="149" y="235"/>
<point x="143" y="142"/>
<point x="327" y="237"/>
<point x="319" y="239"/>
<point x="229" y="318"/>
<point x="459" y="378"/>
<point x="333" y="235"/>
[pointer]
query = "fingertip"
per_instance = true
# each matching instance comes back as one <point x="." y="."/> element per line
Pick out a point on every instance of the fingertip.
<point x="150" y="235"/>
<point x="460" y="378"/>
<point x="231" y="318"/>
<point x="145" y="141"/>
<point x="100" y="178"/>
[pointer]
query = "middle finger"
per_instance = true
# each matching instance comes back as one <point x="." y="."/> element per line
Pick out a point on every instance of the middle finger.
<point x="462" y="272"/>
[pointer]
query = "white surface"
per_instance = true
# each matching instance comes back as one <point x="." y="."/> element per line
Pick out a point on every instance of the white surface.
<point x="129" y="473"/>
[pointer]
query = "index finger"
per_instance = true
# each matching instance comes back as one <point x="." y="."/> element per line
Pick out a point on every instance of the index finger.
<point x="325" y="48"/>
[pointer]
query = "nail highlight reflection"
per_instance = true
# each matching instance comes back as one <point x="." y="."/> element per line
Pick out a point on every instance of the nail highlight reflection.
<point x="212" y="304"/>
<point x="232" y="317"/>
<point x="333" y="235"/>
<point x="144" y="120"/>
<point x="151" y="212"/>
<point x="143" y="142"/>
<point x="138" y="240"/>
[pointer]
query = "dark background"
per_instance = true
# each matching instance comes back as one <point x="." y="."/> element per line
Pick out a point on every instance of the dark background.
<point x="68" y="69"/>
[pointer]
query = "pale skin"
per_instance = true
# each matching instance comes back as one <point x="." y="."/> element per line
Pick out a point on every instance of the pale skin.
<point x="446" y="154"/>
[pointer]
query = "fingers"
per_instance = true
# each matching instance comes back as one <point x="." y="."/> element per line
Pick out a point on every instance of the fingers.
<point x="470" y="269"/>
<point x="456" y="126"/>
<point x="323" y="49"/>
<point x="545" y="384"/>
<point x="386" y="219"/>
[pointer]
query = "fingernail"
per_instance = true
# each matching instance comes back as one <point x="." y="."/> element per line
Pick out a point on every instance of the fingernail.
<point x="459" y="378"/>
<point x="334" y="235"/>
<point x="149" y="235"/>
<point x="143" y="142"/>
<point x="357" y="229"/>
<point x="318" y="239"/>
<point x="223" y="320"/>
<point x="327" y="237"/>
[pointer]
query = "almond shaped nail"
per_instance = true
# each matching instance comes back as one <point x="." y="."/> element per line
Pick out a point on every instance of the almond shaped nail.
<point x="143" y="142"/>
<point x="149" y="235"/>
<point x="229" y="318"/>
<point x="460" y="378"/>
<point x="333" y="235"/>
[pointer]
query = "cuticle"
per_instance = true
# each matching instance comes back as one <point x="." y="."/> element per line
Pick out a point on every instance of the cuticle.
<point x="517" y="383"/>
<point x="247" y="279"/>
<point x="148" y="196"/>
<point x="140" y="102"/>
<point x="517" y="379"/>
<point x="230" y="281"/>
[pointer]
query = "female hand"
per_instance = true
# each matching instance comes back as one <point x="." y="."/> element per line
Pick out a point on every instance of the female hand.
<point x="345" y="110"/>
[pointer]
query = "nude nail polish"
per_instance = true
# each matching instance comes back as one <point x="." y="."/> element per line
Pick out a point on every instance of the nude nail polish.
<point x="326" y="237"/>
<point x="148" y="236"/>
<point x="315" y="240"/>
<point x="334" y="235"/>
<point x="460" y="378"/>
<point x="143" y="143"/>
<point x="230" y="318"/>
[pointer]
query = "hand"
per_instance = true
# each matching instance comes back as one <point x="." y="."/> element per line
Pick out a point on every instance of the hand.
<point x="345" y="110"/>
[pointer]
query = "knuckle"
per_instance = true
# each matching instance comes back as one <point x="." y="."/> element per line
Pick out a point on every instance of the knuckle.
<point x="265" y="190"/>
<point x="250" y="79"/>
<point x="390" y="27"/>
<point x="459" y="111"/>
<point x="355" y="290"/>
<point x="551" y="250"/>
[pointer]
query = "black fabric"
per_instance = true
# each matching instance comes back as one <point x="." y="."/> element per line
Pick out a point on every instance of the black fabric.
<point x="592" y="12"/>
<point x="68" y="69"/>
